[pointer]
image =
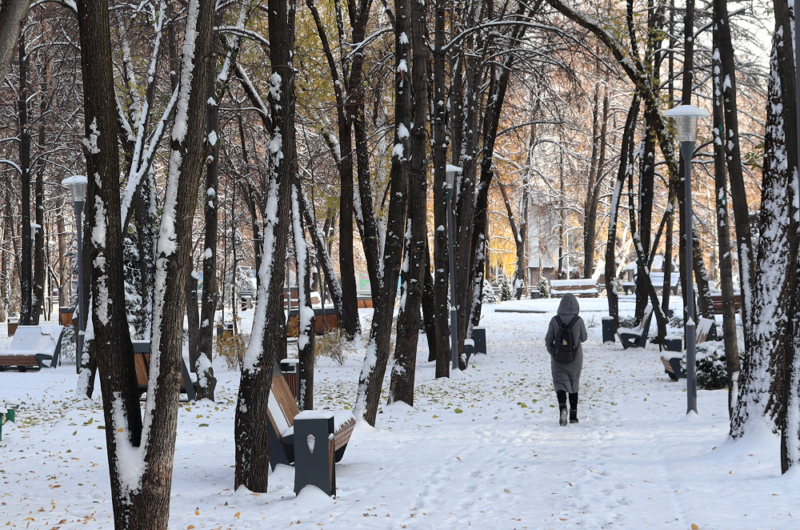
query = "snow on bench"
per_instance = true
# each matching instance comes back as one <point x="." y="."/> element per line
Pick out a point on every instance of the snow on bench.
<point x="583" y="288"/>
<point x="31" y="346"/>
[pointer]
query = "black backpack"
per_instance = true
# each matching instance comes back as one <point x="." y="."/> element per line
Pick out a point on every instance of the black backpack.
<point x="565" y="345"/>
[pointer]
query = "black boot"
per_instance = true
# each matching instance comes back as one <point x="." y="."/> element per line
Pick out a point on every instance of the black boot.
<point x="562" y="407"/>
<point x="573" y="407"/>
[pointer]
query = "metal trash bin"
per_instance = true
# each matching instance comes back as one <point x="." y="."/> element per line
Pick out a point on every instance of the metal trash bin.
<point x="608" y="330"/>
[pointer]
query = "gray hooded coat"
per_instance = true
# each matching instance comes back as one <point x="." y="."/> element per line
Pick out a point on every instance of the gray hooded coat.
<point x="567" y="377"/>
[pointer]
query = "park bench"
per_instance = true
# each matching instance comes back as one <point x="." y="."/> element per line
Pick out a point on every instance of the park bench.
<point x="282" y="410"/>
<point x="324" y="319"/>
<point x="141" y="360"/>
<point x="636" y="337"/>
<point x="716" y="299"/>
<point x="672" y="367"/>
<point x="32" y="346"/>
<point x="706" y="330"/>
<point x="583" y="288"/>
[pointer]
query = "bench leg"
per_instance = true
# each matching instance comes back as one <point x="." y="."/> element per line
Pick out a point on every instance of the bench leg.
<point x="314" y="448"/>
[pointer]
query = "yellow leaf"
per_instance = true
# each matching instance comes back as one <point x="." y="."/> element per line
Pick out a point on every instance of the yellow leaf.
<point x="190" y="527"/>
<point x="238" y="514"/>
<point x="197" y="512"/>
<point x="695" y="527"/>
<point x="120" y="430"/>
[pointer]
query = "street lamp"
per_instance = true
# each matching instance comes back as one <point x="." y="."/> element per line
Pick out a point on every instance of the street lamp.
<point x="77" y="186"/>
<point x="686" y="117"/>
<point x="450" y="180"/>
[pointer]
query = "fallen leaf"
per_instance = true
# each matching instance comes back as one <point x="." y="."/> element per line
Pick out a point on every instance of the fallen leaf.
<point x="238" y="514"/>
<point x="695" y="527"/>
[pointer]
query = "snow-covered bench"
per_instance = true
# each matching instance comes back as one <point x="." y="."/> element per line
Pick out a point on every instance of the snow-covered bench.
<point x="706" y="330"/>
<point x="31" y="346"/>
<point x="141" y="360"/>
<point x="584" y="288"/>
<point x="282" y="409"/>
<point x="636" y="337"/>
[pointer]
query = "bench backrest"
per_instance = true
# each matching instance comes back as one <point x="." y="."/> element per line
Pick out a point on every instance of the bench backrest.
<point x="645" y="323"/>
<point x="703" y="329"/>
<point x="282" y="407"/>
<point x="141" y="361"/>
<point x="41" y="339"/>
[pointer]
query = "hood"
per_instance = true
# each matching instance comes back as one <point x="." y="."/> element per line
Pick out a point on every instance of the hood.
<point x="569" y="306"/>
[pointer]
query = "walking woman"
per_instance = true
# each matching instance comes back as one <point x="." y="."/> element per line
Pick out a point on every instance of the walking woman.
<point x="564" y="337"/>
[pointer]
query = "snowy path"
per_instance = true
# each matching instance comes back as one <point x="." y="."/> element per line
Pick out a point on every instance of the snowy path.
<point x="482" y="450"/>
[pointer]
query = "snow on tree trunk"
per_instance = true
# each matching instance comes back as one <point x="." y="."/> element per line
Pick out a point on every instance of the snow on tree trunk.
<point x="611" y="244"/>
<point x="306" y="316"/>
<point x="268" y="333"/>
<point x="757" y="402"/>
<point x="408" y="321"/>
<point x="723" y="233"/>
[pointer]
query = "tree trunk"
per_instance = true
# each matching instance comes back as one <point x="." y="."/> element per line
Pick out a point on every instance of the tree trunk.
<point x="611" y="244"/>
<point x="108" y="322"/>
<point x="192" y="317"/>
<point x="415" y="263"/>
<point x="250" y="430"/>
<point x="759" y="391"/>
<point x="593" y="187"/>
<point x="306" y="317"/>
<point x="723" y="234"/>
<point x="429" y="308"/>
<point x="26" y="273"/>
<point x="13" y="14"/>
<point x="40" y="263"/>
<point x="441" y="253"/>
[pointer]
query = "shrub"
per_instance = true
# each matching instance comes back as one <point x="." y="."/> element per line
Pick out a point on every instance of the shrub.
<point x="544" y="288"/>
<point x="711" y="365"/>
<point x="505" y="290"/>
<point x="333" y="344"/>
<point x="232" y="349"/>
<point x="488" y="293"/>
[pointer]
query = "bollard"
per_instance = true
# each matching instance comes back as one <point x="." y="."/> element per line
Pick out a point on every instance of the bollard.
<point x="290" y="371"/>
<point x="608" y="329"/>
<point x="469" y="348"/>
<point x="673" y="343"/>
<point x="314" y="450"/>
<point x="479" y="336"/>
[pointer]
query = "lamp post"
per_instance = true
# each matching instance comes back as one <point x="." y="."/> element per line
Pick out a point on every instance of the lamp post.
<point x="686" y="117"/>
<point x="77" y="186"/>
<point x="450" y="178"/>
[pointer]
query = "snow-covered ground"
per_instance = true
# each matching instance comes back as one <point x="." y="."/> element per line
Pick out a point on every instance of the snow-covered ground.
<point x="481" y="450"/>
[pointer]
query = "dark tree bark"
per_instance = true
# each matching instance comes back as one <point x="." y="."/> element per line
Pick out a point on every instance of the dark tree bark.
<point x="108" y="320"/>
<point x="723" y="233"/>
<point x="192" y="317"/>
<point x="38" y="299"/>
<point x="441" y="254"/>
<point x="611" y="244"/>
<point x="415" y="264"/>
<point x="519" y="243"/>
<point x="268" y="335"/>
<point x="429" y="308"/>
<point x="26" y="272"/>
<point x="593" y="187"/>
